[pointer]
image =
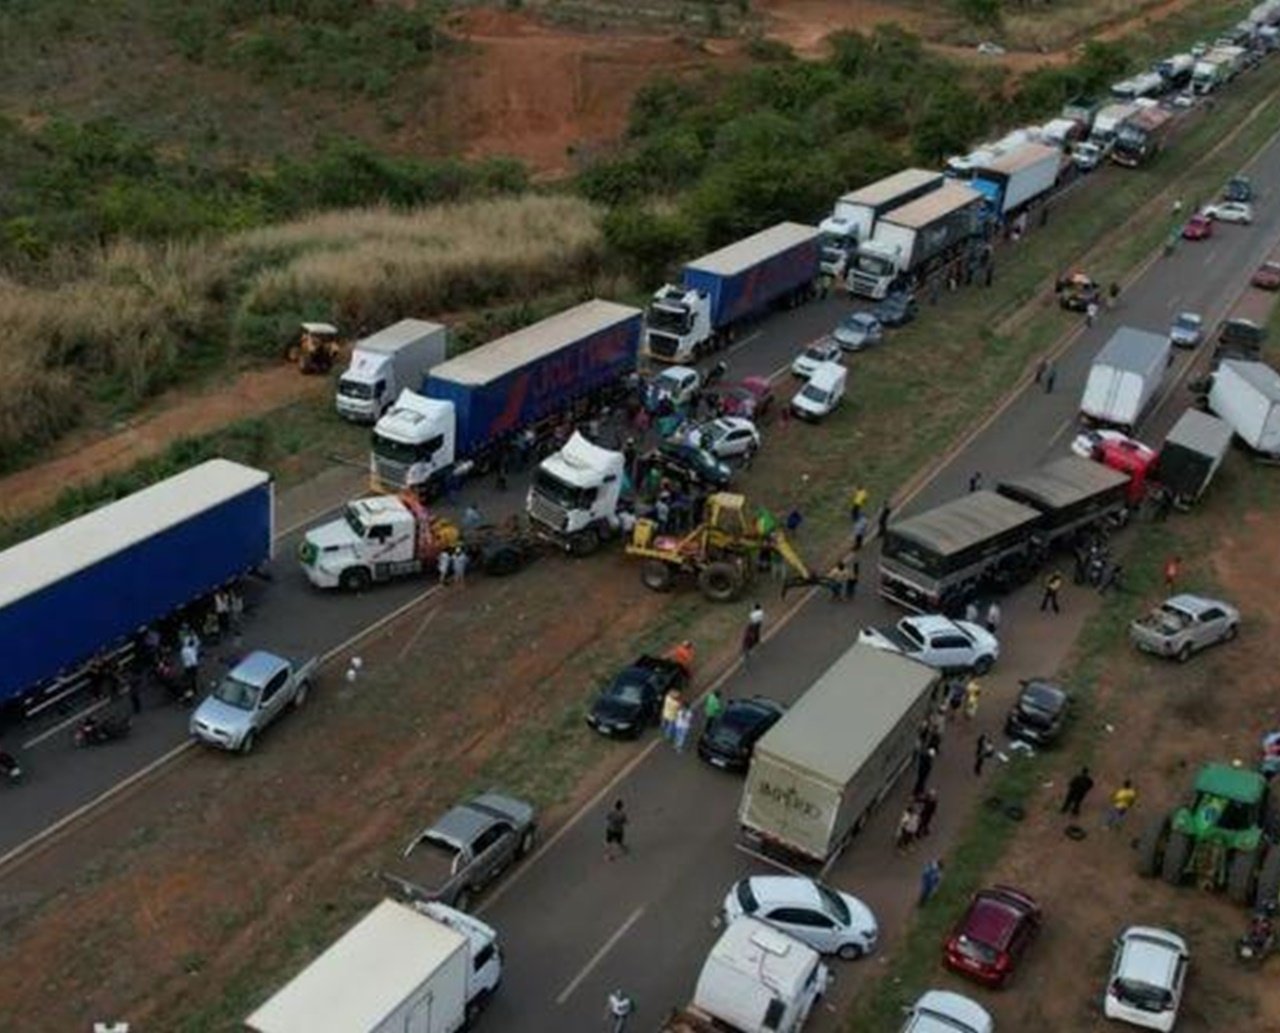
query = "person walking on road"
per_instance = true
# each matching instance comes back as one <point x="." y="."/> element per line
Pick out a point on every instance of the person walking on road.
<point x="930" y="880"/>
<point x="1052" y="586"/>
<point x="924" y="768"/>
<point x="684" y="721"/>
<point x="1091" y="313"/>
<point x="1077" y="789"/>
<point x="615" y="832"/>
<point x="928" y="807"/>
<point x="851" y="579"/>
<point x="993" y="616"/>
<point x="908" y="827"/>
<point x="1113" y="294"/>
<point x="1172" y="568"/>
<point x="882" y="519"/>
<point x="444" y="566"/>
<point x="621" y="1007"/>
<point x="972" y="697"/>
<point x="712" y="706"/>
<point x="460" y="561"/>
<point x="1122" y="801"/>
<point x="671" y="704"/>
<point x="1050" y="376"/>
<point x="751" y="633"/>
<point x="981" y="752"/>
<point x="975" y="482"/>
<point x="859" y="532"/>
<point x="189" y="654"/>
<point x="955" y="696"/>
<point x="857" y="502"/>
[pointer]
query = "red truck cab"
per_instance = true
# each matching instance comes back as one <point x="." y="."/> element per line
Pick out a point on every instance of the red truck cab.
<point x="1133" y="458"/>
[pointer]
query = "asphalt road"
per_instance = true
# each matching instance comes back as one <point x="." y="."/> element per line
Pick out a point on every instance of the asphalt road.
<point x="575" y="927"/>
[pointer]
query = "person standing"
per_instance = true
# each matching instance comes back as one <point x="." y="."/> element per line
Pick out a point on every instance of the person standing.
<point x="857" y="503"/>
<point x="993" y="617"/>
<point x="712" y="706"/>
<point x="1122" y="801"/>
<point x="972" y="697"/>
<point x="615" y="832"/>
<point x="1172" y="568"/>
<point x="975" y="481"/>
<point x="671" y="705"/>
<point x="1050" y="376"/>
<point x="930" y="880"/>
<point x="460" y="561"/>
<point x="1052" y="586"/>
<point x="924" y="768"/>
<point x="236" y="601"/>
<point x="620" y="1009"/>
<point x="1091" y="313"/>
<point x="859" y="532"/>
<point x="955" y="696"/>
<point x="222" y="609"/>
<point x="444" y="566"/>
<point x="684" y="721"/>
<point x="928" y="808"/>
<point x="135" y="695"/>
<point x="1113" y="294"/>
<point x="971" y="611"/>
<point x="851" y="579"/>
<point x="190" y="657"/>
<point x="683" y="653"/>
<point x="882" y="519"/>
<point x="751" y="633"/>
<point x="472" y="517"/>
<point x="981" y="752"/>
<point x="1077" y="789"/>
<point x="908" y="827"/>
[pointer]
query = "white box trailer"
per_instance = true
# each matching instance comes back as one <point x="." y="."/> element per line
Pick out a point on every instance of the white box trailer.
<point x="1247" y="396"/>
<point x="1124" y="377"/>
<point x="382" y="365"/>
<point x="854" y="216"/>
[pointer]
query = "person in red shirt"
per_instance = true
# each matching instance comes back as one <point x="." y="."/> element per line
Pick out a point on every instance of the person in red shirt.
<point x="682" y="654"/>
<point x="1172" y="568"/>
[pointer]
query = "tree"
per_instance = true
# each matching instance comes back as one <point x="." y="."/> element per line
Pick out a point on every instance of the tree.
<point x="981" y="12"/>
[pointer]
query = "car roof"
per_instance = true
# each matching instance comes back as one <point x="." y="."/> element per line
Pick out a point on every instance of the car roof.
<point x="993" y="916"/>
<point x="258" y="668"/>
<point x="749" y="711"/>
<point x="467" y="820"/>
<point x="732" y="423"/>
<point x="861" y="318"/>
<point x="1192" y="603"/>
<point x="936" y="1006"/>
<point x="770" y="890"/>
<point x="1193" y="317"/>
<point x="929" y="623"/>
<point x="1149" y="955"/>
<point x="1042" y="686"/>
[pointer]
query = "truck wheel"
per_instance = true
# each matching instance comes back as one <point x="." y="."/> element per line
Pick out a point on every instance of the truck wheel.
<point x="1240" y="876"/>
<point x="300" y="697"/>
<point x="584" y="543"/>
<point x="474" y="1007"/>
<point x="357" y="579"/>
<point x="720" y="582"/>
<point x="657" y="575"/>
<point x="1151" y="848"/>
<point x="1269" y="880"/>
<point x="526" y="842"/>
<point x="248" y="742"/>
<point x="1177" y="853"/>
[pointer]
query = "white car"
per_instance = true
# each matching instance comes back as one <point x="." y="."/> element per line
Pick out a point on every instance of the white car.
<point x="1087" y="442"/>
<point x="1185" y="99"/>
<point x="827" y="920"/>
<point x="1230" y="211"/>
<point x="813" y="356"/>
<point x="1086" y="156"/>
<point x="941" y="1011"/>
<point x="990" y="49"/>
<point x="678" y="383"/>
<point x="1147" y="978"/>
<point x="939" y="642"/>
<point x="729" y="436"/>
<point x="1187" y="330"/>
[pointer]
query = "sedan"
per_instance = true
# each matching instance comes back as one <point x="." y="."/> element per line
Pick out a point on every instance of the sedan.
<point x="1040" y="713"/>
<point x="1089" y="444"/>
<point x="827" y="920"/>
<point x="729" y="436"/>
<point x="728" y="741"/>
<point x="1187" y="330"/>
<point x="751" y="397"/>
<point x="897" y="309"/>
<point x="1147" y="978"/>
<point x="858" y="330"/>
<point x="941" y="1011"/>
<point x="696" y="464"/>
<point x="1267" y="277"/>
<point x="1230" y="211"/>
<point x="814" y="356"/>
<point x="990" y="939"/>
<point x="1238" y="188"/>
<point x="1198" y="227"/>
<point x="633" y="700"/>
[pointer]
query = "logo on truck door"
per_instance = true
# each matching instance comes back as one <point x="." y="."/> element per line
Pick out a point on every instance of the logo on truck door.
<point x="788" y="799"/>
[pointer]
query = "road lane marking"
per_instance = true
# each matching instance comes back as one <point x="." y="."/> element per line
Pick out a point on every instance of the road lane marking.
<point x="740" y="345"/>
<point x="598" y="956"/>
<point x="412" y="640"/>
<point x="49" y="733"/>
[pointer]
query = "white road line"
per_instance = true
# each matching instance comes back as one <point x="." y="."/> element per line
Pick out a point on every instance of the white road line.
<point x="412" y="640"/>
<point x="741" y="344"/>
<point x="598" y="956"/>
<point x="377" y="625"/>
<point x="49" y="733"/>
<point x="773" y="862"/>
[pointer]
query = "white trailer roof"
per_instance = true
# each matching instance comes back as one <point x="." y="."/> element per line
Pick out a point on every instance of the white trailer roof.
<point x="1025" y="156"/>
<point x="505" y="355"/>
<point x="1132" y="350"/>
<point x="891" y="186"/>
<point x="934" y="205"/>
<point x="363" y="977"/>
<point x="392" y="338"/>
<point x="731" y="260"/>
<point x="1262" y="377"/>
<point x="80" y="543"/>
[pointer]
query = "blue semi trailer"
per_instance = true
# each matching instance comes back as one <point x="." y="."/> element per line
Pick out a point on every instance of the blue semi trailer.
<point x="777" y="266"/>
<point x="86" y="588"/>
<point x="476" y="403"/>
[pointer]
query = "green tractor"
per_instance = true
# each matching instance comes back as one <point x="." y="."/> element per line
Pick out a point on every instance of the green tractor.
<point x="1220" y="838"/>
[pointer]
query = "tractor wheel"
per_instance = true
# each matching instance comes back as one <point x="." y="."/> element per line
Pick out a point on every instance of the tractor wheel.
<point x="658" y="576"/>
<point x="1177" y="852"/>
<point x="1269" y="880"/>
<point x="1151" y="848"/>
<point x="720" y="582"/>
<point x="1241" y="870"/>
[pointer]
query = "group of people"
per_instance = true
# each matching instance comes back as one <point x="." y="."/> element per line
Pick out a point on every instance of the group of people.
<point x="451" y="565"/>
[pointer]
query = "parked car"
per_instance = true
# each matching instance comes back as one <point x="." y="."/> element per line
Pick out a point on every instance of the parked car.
<point x="858" y="330"/>
<point x="1185" y="99"/>
<point x="990" y="49"/>
<point x="1230" y="211"/>
<point x="826" y="350"/>
<point x="938" y="641"/>
<point x="1198" y="227"/>
<point x="727" y="437"/>
<point x="1238" y="188"/>
<point x="692" y="463"/>
<point x="464" y="851"/>
<point x="1077" y="291"/>
<point x="1267" y="277"/>
<point x="827" y="920"/>
<point x="1086" y="156"/>
<point x="632" y="701"/>
<point x="897" y="309"/>
<point x="750" y="397"/>
<point x="1147" y="978"/>
<point x="941" y="1011"/>
<point x="248" y="698"/>
<point x="728" y="741"/>
<point x="1240" y="339"/>
<point x="1039" y="714"/>
<point x="1185" y="624"/>
<point x="675" y="384"/>
<point x="1187" y="330"/>
<point x="1089" y="443"/>
<point x="992" y="936"/>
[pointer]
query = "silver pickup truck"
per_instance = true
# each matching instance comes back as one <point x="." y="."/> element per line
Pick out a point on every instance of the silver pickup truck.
<point x="249" y="697"/>
<point x="1185" y="624"/>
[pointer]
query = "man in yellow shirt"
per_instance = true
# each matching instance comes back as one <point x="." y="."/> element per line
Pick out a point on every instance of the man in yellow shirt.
<point x="1122" y="800"/>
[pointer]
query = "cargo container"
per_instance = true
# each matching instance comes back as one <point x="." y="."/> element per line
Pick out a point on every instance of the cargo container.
<point x="775" y="267"/>
<point x="1191" y="455"/>
<point x="394" y="358"/>
<point x="855" y="214"/>
<point x="1246" y="395"/>
<point x="816" y="775"/>
<point x="1141" y="137"/>
<point x="1017" y="178"/>
<point x="1108" y="123"/>
<point x="472" y="406"/>
<point x="89" y="586"/>
<point x="1176" y="70"/>
<point x="1071" y="494"/>
<point x="1124" y="378"/>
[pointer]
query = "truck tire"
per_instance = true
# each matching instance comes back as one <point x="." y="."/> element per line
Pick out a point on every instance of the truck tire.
<point x="584" y="543"/>
<point x="657" y="575"/>
<point x="1268" y="892"/>
<point x="1151" y="848"/>
<point x="300" y="697"/>
<point x="357" y="579"/>
<point x="720" y="582"/>
<point x="1177" y="852"/>
<point x="475" y="1007"/>
<point x="1241" y="870"/>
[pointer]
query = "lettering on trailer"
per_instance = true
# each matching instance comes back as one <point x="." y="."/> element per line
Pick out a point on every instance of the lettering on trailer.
<point x="764" y="277"/>
<point x="788" y="799"/>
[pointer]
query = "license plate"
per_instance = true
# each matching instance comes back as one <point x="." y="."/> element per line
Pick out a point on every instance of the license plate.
<point x="719" y="762"/>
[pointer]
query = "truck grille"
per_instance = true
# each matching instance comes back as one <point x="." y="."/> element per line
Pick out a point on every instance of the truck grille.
<point x="389" y="473"/>
<point x="547" y="512"/>
<point x="862" y="283"/>
<point x="662" y="346"/>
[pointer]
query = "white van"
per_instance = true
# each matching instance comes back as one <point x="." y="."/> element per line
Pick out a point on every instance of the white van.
<point x="822" y="393"/>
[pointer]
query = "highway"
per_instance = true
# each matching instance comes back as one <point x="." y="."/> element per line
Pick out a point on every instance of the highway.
<point x="576" y="927"/>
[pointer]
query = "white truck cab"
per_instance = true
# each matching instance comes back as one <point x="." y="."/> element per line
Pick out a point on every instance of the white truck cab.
<point x="574" y="495"/>
<point x="678" y="324"/>
<point x="413" y="444"/>
<point x="396" y="357"/>
<point x="372" y="539"/>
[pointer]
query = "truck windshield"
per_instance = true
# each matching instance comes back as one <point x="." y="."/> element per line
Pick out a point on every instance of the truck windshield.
<point x="354" y="389"/>
<point x="236" y="693"/>
<point x="873" y="264"/>
<point x="567" y="496"/>
<point x="674" y="320"/>
<point x="1144" y="995"/>
<point x="834" y="243"/>
<point x="353" y="521"/>
<point x="405" y="451"/>
<point x="835" y="906"/>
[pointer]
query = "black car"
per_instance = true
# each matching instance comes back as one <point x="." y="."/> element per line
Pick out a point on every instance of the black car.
<point x="897" y="309"/>
<point x="1039" y="714"/>
<point x="727" y="741"/>
<point x="1238" y="188"/>
<point x="633" y="700"/>
<point x="690" y="463"/>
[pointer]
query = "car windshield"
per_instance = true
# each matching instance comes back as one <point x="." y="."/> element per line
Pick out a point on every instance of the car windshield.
<point x="835" y="906"/>
<point x="911" y="633"/>
<point x="814" y="394"/>
<point x="352" y="516"/>
<point x="236" y="693"/>
<point x="1187" y="322"/>
<point x="569" y="496"/>
<point x="1144" y="995"/>
<point x="625" y="691"/>
<point x="354" y="389"/>
<point x="712" y="433"/>
<point x="816" y="353"/>
<point x="746" y="898"/>
<point x="1041" y="697"/>
<point x="980" y="952"/>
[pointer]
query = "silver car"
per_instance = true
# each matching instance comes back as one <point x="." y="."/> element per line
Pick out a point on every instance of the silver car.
<point x="1187" y="330"/>
<point x="1184" y="624"/>
<point x="248" y="698"/>
<point x="858" y="330"/>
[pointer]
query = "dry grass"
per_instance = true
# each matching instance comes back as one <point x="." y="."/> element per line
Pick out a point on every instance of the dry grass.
<point x="1056" y="26"/>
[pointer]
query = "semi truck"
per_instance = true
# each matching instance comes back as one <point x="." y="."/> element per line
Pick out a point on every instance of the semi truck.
<point x="854" y="217"/>
<point x="912" y="241"/>
<point x="1016" y="178"/>
<point x="1210" y="72"/>
<point x="816" y="775"/>
<point x="1246" y="395"/>
<point x="1108" y="122"/>
<point x="1141" y="137"/>
<point x="1083" y="110"/>
<point x="1176" y="70"/>
<point x="1071" y="494"/>
<point x="471" y="407"/>
<point x="718" y="292"/>
<point x="756" y="979"/>
<point x="1124" y="378"/>
<point x="86" y="588"/>
<point x="1191" y="455"/>
<point x="573" y="500"/>
<point x="1144" y="84"/>
<point x="396" y="357"/>
<point x="424" y="968"/>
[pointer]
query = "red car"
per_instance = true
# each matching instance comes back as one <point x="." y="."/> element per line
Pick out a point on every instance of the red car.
<point x="1267" y="277"/>
<point x="995" y="931"/>
<point x="1198" y="227"/>
<point x="751" y="398"/>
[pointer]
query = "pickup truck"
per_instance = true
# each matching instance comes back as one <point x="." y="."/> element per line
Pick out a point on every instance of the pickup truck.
<point x="938" y="641"/>
<point x="249" y="697"/>
<point x="465" y="850"/>
<point x="1183" y="624"/>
